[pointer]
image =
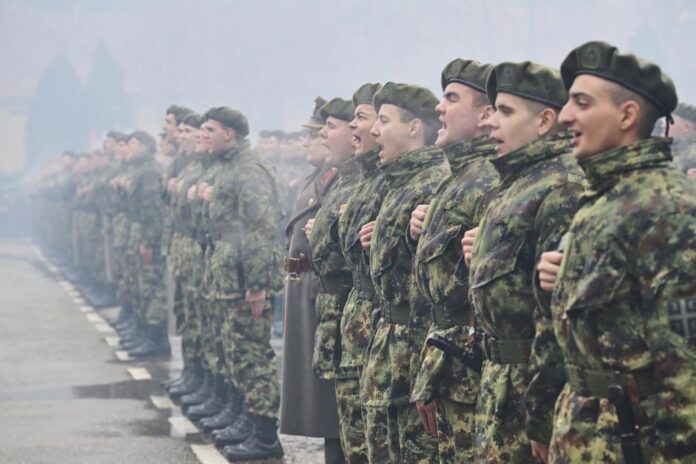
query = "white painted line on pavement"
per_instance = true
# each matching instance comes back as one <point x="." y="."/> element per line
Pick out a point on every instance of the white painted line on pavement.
<point x="86" y="308"/>
<point x="113" y="342"/>
<point x="139" y="373"/>
<point x="122" y="355"/>
<point x="208" y="454"/>
<point x="162" y="402"/>
<point x="65" y="284"/>
<point x="79" y="301"/>
<point x="104" y="328"/>
<point x="94" y="317"/>
<point x="183" y="425"/>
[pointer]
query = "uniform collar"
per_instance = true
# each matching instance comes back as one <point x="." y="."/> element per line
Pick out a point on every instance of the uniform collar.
<point x="399" y="171"/>
<point x="461" y="153"/>
<point x="513" y="164"/>
<point x="606" y="167"/>
<point x="369" y="162"/>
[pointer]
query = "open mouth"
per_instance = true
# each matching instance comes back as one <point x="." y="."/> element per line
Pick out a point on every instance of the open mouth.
<point x="576" y="138"/>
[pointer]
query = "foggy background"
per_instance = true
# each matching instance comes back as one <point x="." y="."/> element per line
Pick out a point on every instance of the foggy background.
<point x="72" y="69"/>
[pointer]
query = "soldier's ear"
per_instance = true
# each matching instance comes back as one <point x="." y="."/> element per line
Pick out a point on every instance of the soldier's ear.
<point x="547" y="120"/>
<point x="415" y="127"/>
<point x="630" y="113"/>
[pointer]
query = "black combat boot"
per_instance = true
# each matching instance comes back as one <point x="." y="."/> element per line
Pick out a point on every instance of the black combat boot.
<point x="156" y="343"/>
<point x="185" y="373"/>
<point x="123" y="315"/>
<point x="239" y="431"/>
<point x="262" y="444"/>
<point x="213" y="405"/>
<point x="202" y="393"/>
<point x="192" y="383"/>
<point x="228" y="415"/>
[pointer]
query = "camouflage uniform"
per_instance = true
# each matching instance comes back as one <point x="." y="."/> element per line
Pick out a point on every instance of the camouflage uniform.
<point x="394" y="431"/>
<point x="442" y="276"/>
<point x="244" y="255"/>
<point x="144" y="216"/>
<point x="334" y="273"/>
<point x="356" y="321"/>
<point x="186" y="256"/>
<point x="527" y="215"/>
<point x="624" y="301"/>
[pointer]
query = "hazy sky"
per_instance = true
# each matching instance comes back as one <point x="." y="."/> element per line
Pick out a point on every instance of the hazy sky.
<point x="271" y="58"/>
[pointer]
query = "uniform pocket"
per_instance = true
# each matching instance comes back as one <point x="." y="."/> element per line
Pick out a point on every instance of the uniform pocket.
<point x="499" y="261"/>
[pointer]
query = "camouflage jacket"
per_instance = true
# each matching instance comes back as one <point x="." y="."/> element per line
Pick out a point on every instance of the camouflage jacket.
<point x="362" y="207"/>
<point x="143" y="200"/>
<point x="187" y="242"/>
<point x="625" y="296"/>
<point x="334" y="273"/>
<point x="172" y="171"/>
<point x="186" y="215"/>
<point x="240" y="221"/>
<point x="441" y="273"/>
<point x="528" y="214"/>
<point x="393" y="357"/>
<point x="685" y="153"/>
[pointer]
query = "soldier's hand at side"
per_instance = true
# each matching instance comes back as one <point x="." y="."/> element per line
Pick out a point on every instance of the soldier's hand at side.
<point x="256" y="301"/>
<point x="691" y="173"/>
<point x="171" y="185"/>
<point x="428" y="416"/>
<point x="342" y="209"/>
<point x="191" y="193"/>
<point x="366" y="235"/>
<point x="208" y="193"/>
<point x="468" y="244"/>
<point x="540" y="451"/>
<point x="417" y="220"/>
<point x="308" y="228"/>
<point x="548" y="267"/>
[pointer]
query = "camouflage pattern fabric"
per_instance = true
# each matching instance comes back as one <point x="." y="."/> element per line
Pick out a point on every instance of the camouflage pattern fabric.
<point x="335" y="276"/>
<point x="685" y="153"/>
<point x="624" y="301"/>
<point x="350" y="417"/>
<point x="527" y="215"/>
<point x="361" y="208"/>
<point x="393" y="354"/>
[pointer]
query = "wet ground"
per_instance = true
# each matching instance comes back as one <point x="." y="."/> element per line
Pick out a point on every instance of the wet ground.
<point x="66" y="397"/>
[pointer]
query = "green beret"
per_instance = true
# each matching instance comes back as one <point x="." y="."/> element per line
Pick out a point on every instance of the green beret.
<point x="193" y="120"/>
<point x="467" y="72"/>
<point x="146" y="139"/>
<point x="366" y="93"/>
<point x="414" y="98"/>
<point x="179" y="112"/>
<point x="640" y="76"/>
<point x="315" y="120"/>
<point x="117" y="136"/>
<point x="686" y="111"/>
<point x="230" y="118"/>
<point x="528" y="80"/>
<point x="339" y="109"/>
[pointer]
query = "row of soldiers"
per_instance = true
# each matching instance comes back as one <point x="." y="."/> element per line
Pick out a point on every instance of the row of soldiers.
<point x="424" y="253"/>
<point x="199" y="231"/>
<point x="504" y="275"/>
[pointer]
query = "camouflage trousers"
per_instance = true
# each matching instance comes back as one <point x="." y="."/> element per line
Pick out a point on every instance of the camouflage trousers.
<point x="152" y="292"/>
<point x="91" y="244"/>
<point x="249" y="357"/>
<point x="396" y="435"/>
<point x="586" y="430"/>
<point x="350" y="420"/>
<point x="211" y="321"/>
<point x="455" y="431"/>
<point x="186" y="260"/>
<point x="500" y="415"/>
<point x="382" y="431"/>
